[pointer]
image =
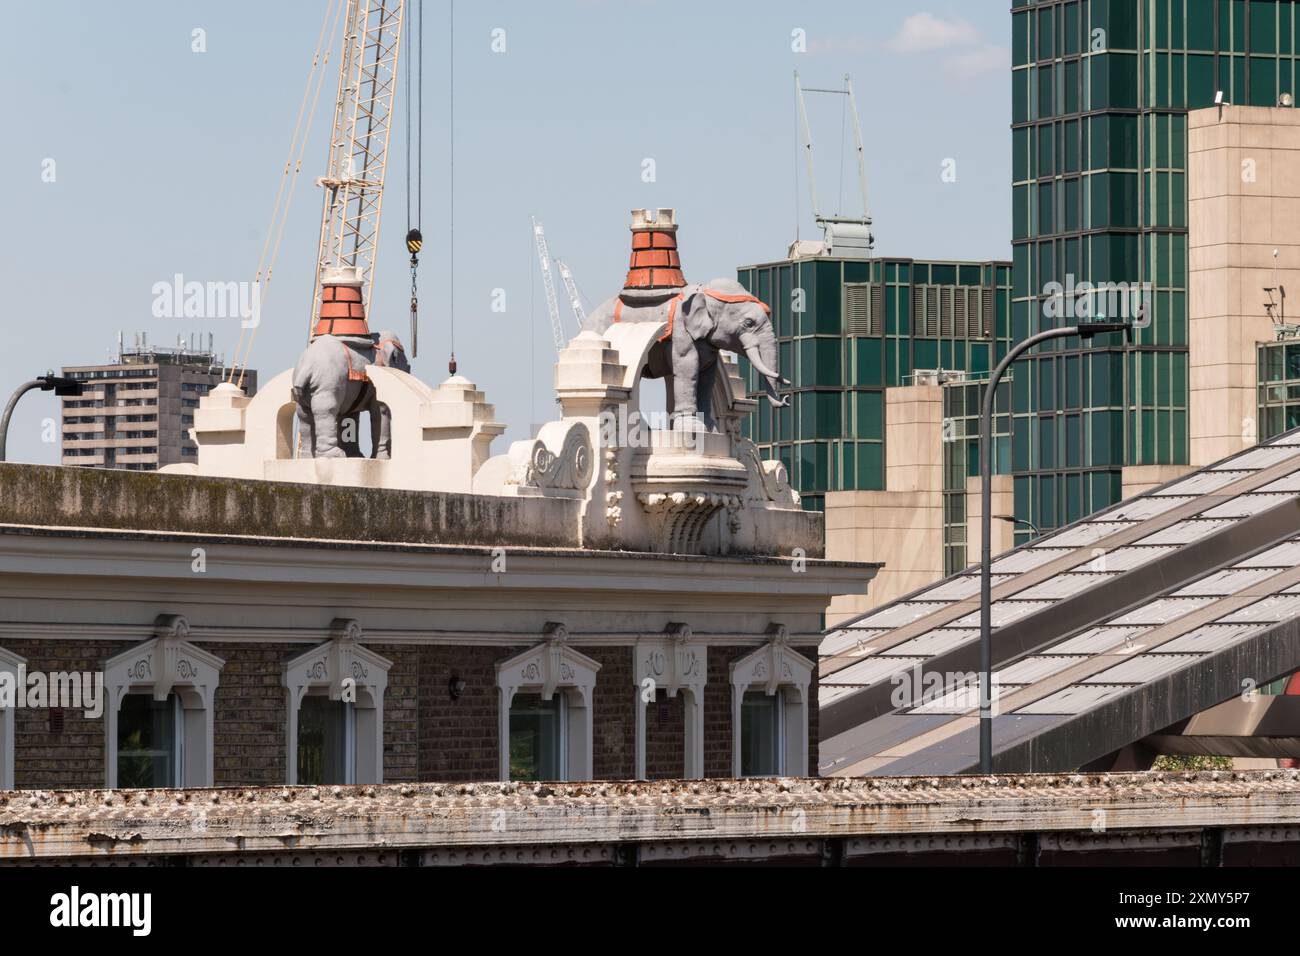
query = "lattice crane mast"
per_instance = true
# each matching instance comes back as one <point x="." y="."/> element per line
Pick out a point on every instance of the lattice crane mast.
<point x="575" y="302"/>
<point x="548" y="283"/>
<point x="358" y="157"/>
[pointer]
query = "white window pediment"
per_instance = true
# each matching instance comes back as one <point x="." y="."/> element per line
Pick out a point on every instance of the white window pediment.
<point x="349" y="672"/>
<point x="10" y="664"/>
<point x="546" y="669"/>
<point x="168" y="664"/>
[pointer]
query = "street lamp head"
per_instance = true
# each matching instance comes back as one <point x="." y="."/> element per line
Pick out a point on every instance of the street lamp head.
<point x="1087" y="330"/>
<point x="60" y="385"/>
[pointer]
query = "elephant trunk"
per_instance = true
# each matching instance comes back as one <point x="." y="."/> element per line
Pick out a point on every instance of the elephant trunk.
<point x="762" y="354"/>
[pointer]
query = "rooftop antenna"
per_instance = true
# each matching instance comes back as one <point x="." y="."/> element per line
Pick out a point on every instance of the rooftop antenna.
<point x="1276" y="308"/>
<point x="851" y="235"/>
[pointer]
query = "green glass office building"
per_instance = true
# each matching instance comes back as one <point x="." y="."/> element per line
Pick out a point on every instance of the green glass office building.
<point x="1100" y="94"/>
<point x="849" y="329"/>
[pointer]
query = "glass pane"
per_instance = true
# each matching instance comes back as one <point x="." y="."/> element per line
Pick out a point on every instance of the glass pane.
<point x="759" y="734"/>
<point x="323" y="741"/>
<point x="535" y="738"/>
<point x="146" y="742"/>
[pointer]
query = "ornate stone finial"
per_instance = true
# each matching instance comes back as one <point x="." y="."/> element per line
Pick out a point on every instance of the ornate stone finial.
<point x="778" y="633"/>
<point x="679" y="633"/>
<point x="555" y="632"/>
<point x="171" y="627"/>
<point x="345" y="628"/>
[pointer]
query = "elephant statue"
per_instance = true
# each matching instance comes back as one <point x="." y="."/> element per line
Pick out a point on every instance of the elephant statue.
<point x="332" y="390"/>
<point x="702" y="320"/>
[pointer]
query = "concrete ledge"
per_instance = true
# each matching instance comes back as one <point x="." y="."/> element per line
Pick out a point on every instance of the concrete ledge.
<point x="103" y="824"/>
<point x="54" y="496"/>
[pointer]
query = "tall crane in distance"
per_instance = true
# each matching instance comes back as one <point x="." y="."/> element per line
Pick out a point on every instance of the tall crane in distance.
<point x="575" y="301"/>
<point x="548" y="283"/>
<point x="363" y="114"/>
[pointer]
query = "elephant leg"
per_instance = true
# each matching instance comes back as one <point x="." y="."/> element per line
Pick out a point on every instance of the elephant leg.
<point x="325" y="415"/>
<point x="306" y="434"/>
<point x="381" y="430"/>
<point x="704" y="396"/>
<point x="350" y="434"/>
<point x="685" y="382"/>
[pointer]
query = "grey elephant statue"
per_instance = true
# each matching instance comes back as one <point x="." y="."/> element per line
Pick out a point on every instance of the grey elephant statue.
<point x="702" y="320"/>
<point x="332" y="391"/>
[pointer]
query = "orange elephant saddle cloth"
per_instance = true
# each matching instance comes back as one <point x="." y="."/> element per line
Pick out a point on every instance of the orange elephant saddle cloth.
<point x="640" y="312"/>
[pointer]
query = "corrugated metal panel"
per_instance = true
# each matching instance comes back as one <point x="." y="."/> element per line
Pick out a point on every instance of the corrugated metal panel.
<point x="1074" y="699"/>
<point x="1278" y="607"/>
<point x="1203" y="482"/>
<point x="1243" y="506"/>
<point x="1263" y="457"/>
<point x="1289" y="482"/>
<point x="841" y="641"/>
<point x="1161" y="611"/>
<point x="1062" y="586"/>
<point x="1098" y="640"/>
<point x="957" y="701"/>
<point x="1003" y="613"/>
<point x="1143" y="668"/>
<point x="1287" y="438"/>
<point x="957" y="589"/>
<point x="939" y="641"/>
<point x="827" y="694"/>
<point x="1284" y="555"/>
<point x="1227" y="581"/>
<point x="1085" y="533"/>
<point x="1209" y="638"/>
<point x="1185" y="532"/>
<point x="897" y="615"/>
<point x="1033" y="669"/>
<point x="1139" y="509"/>
<point x="1126" y="559"/>
<point x="872" y="670"/>
<point x="1027" y="559"/>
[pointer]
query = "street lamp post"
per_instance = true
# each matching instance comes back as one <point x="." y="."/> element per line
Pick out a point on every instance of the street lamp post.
<point x="1085" y="331"/>
<point x="46" y="383"/>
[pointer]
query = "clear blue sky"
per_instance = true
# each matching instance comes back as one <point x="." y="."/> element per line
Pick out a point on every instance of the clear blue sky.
<point x="167" y="161"/>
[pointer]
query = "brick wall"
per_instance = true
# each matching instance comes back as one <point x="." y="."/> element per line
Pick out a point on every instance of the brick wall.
<point x="457" y="739"/>
<point x="427" y="735"/>
<point x="665" y="736"/>
<point x="614" y="721"/>
<point x="75" y="757"/>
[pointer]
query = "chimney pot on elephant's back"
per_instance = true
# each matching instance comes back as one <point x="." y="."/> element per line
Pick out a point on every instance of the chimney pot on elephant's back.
<point x="655" y="266"/>
<point x="342" y="308"/>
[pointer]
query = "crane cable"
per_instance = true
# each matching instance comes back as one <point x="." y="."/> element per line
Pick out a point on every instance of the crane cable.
<point x="292" y="168"/>
<point x="451" y="175"/>
<point x="414" y="239"/>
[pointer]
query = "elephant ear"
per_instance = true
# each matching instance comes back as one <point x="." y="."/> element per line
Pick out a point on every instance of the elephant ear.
<point x="696" y="316"/>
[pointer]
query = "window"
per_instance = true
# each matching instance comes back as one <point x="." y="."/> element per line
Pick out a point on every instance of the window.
<point x="149" y="742"/>
<point x="326" y="741"/>
<point x="770" y="735"/>
<point x="549" y="733"/>
<point x="336" y="710"/>
<point x="537" y="737"/>
<point x="10" y="664"/>
<point x="760" y="734"/>
<point x="159" y="713"/>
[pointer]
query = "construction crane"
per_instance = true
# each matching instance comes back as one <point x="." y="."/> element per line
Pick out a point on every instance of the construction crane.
<point x="575" y="302"/>
<point x="847" y="235"/>
<point x="354" y="180"/>
<point x="552" y="304"/>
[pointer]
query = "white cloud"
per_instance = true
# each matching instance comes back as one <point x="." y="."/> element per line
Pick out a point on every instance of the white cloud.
<point x="923" y="32"/>
<point x="987" y="59"/>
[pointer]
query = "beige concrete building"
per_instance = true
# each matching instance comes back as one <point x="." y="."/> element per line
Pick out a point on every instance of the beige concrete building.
<point x="1244" y="222"/>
